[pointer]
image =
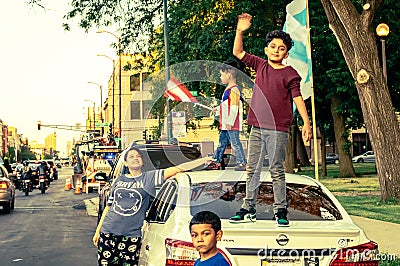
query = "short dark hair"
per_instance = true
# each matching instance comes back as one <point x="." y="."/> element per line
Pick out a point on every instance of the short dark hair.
<point x="234" y="64"/>
<point x="206" y="217"/>
<point x="280" y="34"/>
<point x="133" y="149"/>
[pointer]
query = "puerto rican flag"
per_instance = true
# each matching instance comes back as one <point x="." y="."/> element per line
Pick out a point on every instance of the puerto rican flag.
<point x="176" y="91"/>
<point x="196" y="192"/>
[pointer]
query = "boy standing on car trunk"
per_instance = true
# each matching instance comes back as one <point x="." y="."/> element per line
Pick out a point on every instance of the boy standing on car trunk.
<point x="276" y="87"/>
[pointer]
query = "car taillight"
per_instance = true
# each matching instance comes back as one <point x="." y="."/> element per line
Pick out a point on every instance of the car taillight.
<point x="180" y="253"/>
<point x="3" y="185"/>
<point x="361" y="255"/>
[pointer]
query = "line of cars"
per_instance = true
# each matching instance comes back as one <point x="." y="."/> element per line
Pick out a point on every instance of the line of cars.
<point x="321" y="232"/>
<point x="367" y="157"/>
<point x="10" y="182"/>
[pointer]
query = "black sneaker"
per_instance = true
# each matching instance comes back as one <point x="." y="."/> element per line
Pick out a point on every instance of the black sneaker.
<point x="244" y="216"/>
<point x="281" y="218"/>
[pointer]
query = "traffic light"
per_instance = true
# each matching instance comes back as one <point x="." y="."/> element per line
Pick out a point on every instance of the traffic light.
<point x="39" y="123"/>
<point x="110" y="128"/>
<point x="145" y="134"/>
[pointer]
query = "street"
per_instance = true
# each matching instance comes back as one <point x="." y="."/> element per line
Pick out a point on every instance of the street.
<point x="48" y="229"/>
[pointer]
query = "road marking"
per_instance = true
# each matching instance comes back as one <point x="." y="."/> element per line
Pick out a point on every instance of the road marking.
<point x="40" y="207"/>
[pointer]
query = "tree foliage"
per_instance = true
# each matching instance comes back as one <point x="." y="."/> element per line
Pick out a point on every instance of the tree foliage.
<point x="204" y="30"/>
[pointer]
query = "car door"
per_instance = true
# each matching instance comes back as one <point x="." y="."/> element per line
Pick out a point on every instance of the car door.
<point x="153" y="232"/>
<point x="370" y="158"/>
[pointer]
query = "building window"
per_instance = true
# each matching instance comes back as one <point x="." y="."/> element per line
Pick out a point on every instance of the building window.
<point x="135" y="110"/>
<point x="135" y="81"/>
<point x="146" y="107"/>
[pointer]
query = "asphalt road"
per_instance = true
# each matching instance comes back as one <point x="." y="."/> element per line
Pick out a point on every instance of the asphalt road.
<point x="48" y="229"/>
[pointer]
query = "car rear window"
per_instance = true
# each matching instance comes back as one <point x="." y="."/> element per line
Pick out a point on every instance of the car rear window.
<point x="225" y="198"/>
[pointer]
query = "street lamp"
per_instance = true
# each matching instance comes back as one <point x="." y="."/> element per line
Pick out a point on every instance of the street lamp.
<point x="113" y="89"/>
<point x="382" y="30"/>
<point x="120" y="78"/>
<point x="167" y="74"/>
<point x="101" y="98"/>
<point x="94" y="115"/>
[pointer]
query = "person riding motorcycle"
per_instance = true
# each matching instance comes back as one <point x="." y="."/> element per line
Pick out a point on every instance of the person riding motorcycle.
<point x="26" y="171"/>
<point x="43" y="169"/>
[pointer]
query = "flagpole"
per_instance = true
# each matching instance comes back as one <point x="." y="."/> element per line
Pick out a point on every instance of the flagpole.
<point x="204" y="106"/>
<point x="314" y="122"/>
<point x="167" y="71"/>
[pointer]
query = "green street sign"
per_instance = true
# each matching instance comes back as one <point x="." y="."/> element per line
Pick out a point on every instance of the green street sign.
<point x="117" y="139"/>
<point x="194" y="93"/>
<point x="102" y="124"/>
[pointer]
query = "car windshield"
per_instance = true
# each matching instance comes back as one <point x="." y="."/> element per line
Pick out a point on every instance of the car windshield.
<point x="225" y="198"/>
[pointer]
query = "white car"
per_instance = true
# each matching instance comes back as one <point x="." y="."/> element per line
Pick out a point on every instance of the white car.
<point x="321" y="233"/>
<point x="367" y="157"/>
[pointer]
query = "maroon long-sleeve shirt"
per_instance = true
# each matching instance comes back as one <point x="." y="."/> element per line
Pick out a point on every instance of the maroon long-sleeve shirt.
<point x="271" y="105"/>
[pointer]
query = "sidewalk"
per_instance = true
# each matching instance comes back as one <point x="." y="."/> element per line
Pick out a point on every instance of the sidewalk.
<point x="92" y="206"/>
<point x="384" y="233"/>
<point x="387" y="235"/>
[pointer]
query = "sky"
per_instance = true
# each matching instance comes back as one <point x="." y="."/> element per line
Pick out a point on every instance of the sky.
<point x="45" y="70"/>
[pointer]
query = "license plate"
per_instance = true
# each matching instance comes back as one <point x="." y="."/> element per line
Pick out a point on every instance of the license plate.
<point x="41" y="180"/>
<point x="280" y="262"/>
<point x="290" y="262"/>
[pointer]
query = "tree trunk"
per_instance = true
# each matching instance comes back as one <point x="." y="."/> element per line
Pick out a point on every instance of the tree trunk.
<point x="357" y="42"/>
<point x="323" y="153"/>
<point x="301" y="149"/>
<point x="345" y="165"/>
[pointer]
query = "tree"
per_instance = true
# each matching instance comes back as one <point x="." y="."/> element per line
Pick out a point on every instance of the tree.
<point x="355" y="34"/>
<point x="337" y="105"/>
<point x="26" y="154"/>
<point x="353" y="30"/>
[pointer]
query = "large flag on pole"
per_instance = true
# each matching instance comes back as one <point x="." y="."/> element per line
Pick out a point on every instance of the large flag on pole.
<point x="300" y="54"/>
<point x="296" y="25"/>
<point x="176" y="91"/>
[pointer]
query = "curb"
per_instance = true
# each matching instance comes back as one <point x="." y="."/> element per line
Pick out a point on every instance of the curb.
<point x="92" y="206"/>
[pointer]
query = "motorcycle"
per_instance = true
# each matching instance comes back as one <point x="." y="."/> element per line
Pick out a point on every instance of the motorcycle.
<point x="43" y="182"/>
<point x="26" y="186"/>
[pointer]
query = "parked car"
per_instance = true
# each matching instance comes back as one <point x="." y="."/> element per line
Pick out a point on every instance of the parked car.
<point x="15" y="175"/>
<point x="332" y="158"/>
<point x="7" y="191"/>
<point x="156" y="156"/>
<point x="367" y="157"/>
<point x="320" y="232"/>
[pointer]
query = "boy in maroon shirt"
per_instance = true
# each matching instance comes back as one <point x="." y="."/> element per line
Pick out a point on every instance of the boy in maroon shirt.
<point x="270" y="115"/>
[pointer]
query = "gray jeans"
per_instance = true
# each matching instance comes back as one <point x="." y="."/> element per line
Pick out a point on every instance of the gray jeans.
<point x="261" y="142"/>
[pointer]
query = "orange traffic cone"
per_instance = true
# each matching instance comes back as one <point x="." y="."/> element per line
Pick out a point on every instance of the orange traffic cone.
<point x="78" y="185"/>
<point x="84" y="187"/>
<point x="68" y="184"/>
